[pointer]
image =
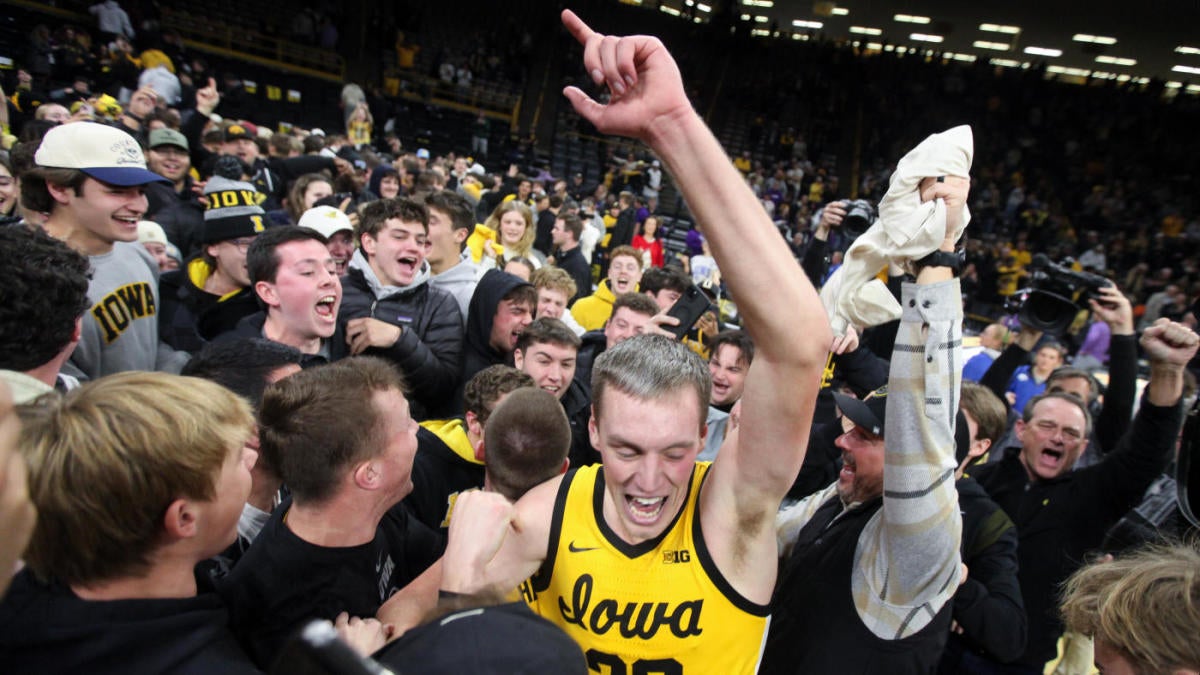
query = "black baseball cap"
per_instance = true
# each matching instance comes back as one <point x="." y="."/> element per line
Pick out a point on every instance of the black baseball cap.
<point x="868" y="413"/>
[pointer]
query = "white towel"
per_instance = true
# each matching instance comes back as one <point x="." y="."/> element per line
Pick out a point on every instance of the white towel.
<point x="906" y="230"/>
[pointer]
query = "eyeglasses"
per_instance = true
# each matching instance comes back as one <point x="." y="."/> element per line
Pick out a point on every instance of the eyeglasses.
<point x="242" y="244"/>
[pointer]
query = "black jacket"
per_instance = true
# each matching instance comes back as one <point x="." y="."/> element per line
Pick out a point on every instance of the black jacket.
<point x="593" y="345"/>
<point x="577" y="403"/>
<point x="577" y="266"/>
<point x="1059" y="521"/>
<point x="252" y="327"/>
<point x="48" y="629"/>
<point x="478" y="352"/>
<point x="815" y="627"/>
<point x="429" y="349"/>
<point x="988" y="605"/>
<point x="189" y="316"/>
<point x="181" y="215"/>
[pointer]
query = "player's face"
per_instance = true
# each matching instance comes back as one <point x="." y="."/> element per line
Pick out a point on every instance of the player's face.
<point x="649" y="449"/>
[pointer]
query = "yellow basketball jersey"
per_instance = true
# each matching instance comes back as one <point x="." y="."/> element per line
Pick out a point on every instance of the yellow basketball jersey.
<point x="660" y="607"/>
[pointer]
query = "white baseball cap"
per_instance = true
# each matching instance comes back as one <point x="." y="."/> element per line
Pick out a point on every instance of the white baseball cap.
<point x="150" y="232"/>
<point x="105" y="153"/>
<point x="326" y="220"/>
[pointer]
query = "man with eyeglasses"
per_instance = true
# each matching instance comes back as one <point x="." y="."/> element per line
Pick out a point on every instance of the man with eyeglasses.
<point x="391" y="310"/>
<point x="176" y="206"/>
<point x="212" y="293"/>
<point x="1061" y="514"/>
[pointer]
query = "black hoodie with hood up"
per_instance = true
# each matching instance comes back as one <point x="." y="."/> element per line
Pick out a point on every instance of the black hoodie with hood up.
<point x="478" y="352"/>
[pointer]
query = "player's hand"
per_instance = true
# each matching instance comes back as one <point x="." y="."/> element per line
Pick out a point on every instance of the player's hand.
<point x="366" y="332"/>
<point x="1169" y="343"/>
<point x="644" y="82"/>
<point x="1114" y="309"/>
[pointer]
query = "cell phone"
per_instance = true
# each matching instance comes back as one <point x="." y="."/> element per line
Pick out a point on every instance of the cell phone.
<point x="688" y="309"/>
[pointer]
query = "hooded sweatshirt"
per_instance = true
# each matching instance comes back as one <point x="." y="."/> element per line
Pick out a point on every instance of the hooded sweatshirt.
<point x="459" y="281"/>
<point x="46" y="628"/>
<point x="444" y="466"/>
<point x="429" y="349"/>
<point x="592" y="312"/>
<point x="478" y="352"/>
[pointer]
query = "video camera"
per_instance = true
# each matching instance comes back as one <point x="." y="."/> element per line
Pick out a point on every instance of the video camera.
<point x="1055" y="295"/>
<point x="860" y="215"/>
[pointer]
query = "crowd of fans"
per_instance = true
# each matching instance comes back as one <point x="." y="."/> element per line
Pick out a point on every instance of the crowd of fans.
<point x="260" y="378"/>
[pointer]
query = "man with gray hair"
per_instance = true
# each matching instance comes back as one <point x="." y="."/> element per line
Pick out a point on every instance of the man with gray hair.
<point x="685" y="550"/>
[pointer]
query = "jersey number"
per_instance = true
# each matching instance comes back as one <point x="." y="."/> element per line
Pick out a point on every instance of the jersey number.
<point x="611" y="664"/>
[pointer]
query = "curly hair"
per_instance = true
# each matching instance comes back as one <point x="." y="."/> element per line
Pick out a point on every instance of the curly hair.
<point x="45" y="283"/>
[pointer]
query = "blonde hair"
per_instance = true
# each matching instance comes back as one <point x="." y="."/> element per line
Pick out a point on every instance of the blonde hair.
<point x="522" y="247"/>
<point x="1146" y="606"/>
<point x="107" y="459"/>
<point x="555" y="279"/>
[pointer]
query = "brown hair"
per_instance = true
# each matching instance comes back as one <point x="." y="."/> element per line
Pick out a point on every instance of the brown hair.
<point x="526" y="242"/>
<point x="986" y="408"/>
<point x="525" y="441"/>
<point x="35" y="182"/>
<point x="321" y="421"/>
<point x="488" y="385"/>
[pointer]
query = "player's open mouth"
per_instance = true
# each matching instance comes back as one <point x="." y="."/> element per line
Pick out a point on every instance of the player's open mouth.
<point x="408" y="265"/>
<point x="645" y="509"/>
<point x="326" y="309"/>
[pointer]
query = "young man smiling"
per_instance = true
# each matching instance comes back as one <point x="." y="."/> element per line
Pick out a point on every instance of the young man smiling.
<point x="391" y="310"/>
<point x="293" y="275"/>
<point x="651" y="561"/>
<point x="90" y="179"/>
<point x="624" y="273"/>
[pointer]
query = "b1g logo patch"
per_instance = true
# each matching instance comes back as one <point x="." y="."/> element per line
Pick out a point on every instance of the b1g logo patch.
<point x="679" y="556"/>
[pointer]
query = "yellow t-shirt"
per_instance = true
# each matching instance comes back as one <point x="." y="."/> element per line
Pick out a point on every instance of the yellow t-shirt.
<point x="656" y="607"/>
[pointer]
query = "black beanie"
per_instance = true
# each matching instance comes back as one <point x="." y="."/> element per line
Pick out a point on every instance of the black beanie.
<point x="233" y="211"/>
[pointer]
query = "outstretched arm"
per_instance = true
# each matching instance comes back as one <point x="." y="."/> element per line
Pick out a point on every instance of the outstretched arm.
<point x="907" y="560"/>
<point x="780" y="309"/>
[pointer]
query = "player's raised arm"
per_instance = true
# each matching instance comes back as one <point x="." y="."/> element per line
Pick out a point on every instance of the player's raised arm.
<point x="779" y="306"/>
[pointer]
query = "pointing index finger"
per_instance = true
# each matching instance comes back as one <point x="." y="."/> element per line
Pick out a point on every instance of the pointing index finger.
<point x="580" y="30"/>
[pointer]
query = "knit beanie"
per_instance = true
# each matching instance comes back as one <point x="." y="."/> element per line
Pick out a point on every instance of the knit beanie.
<point x="233" y="210"/>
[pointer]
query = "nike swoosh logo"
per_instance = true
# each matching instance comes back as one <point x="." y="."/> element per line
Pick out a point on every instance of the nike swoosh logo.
<point x="576" y="549"/>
